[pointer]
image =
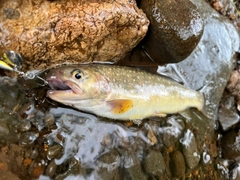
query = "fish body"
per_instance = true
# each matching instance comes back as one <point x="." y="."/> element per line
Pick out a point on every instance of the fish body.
<point x="118" y="92"/>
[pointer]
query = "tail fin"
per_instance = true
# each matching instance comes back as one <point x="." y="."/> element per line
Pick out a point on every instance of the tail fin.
<point x="205" y="110"/>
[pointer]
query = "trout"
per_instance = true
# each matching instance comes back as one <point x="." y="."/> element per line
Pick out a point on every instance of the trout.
<point x="118" y="92"/>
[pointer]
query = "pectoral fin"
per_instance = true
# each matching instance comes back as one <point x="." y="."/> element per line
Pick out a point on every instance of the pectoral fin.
<point x="120" y="106"/>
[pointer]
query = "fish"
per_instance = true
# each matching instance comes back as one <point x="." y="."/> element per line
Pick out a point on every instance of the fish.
<point x="119" y="92"/>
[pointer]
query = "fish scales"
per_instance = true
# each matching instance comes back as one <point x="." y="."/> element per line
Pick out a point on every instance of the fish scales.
<point x="118" y="92"/>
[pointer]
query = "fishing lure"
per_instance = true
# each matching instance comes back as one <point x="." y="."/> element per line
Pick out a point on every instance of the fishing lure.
<point x="12" y="61"/>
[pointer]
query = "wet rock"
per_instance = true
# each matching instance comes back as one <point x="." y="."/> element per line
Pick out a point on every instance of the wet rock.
<point x="28" y="138"/>
<point x="70" y="31"/>
<point x="51" y="169"/>
<point x="233" y="86"/>
<point x="49" y="120"/>
<point x="26" y="110"/>
<point x="11" y="95"/>
<point x="34" y="154"/>
<point x="134" y="167"/>
<point x="24" y="126"/>
<point x="175" y="29"/>
<point x="166" y="157"/>
<point x="177" y="164"/>
<point x="8" y="175"/>
<point x="14" y="158"/>
<point x="54" y="151"/>
<point x="108" y="165"/>
<point x="230" y="145"/>
<point x="190" y="150"/>
<point x="73" y="171"/>
<point x="38" y="119"/>
<point x="8" y="131"/>
<point x="227" y="113"/>
<point x="37" y="168"/>
<point x="154" y="164"/>
<point x="4" y="130"/>
<point x="172" y="132"/>
<point x="209" y="66"/>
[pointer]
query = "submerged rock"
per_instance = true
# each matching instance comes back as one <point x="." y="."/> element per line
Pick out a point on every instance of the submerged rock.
<point x="230" y="145"/>
<point x="108" y="166"/>
<point x="154" y="164"/>
<point x="172" y="131"/>
<point x="190" y="150"/>
<point x="70" y="31"/>
<point x="177" y="164"/>
<point x="227" y="113"/>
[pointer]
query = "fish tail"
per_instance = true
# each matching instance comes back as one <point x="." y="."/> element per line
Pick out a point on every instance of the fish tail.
<point x="204" y="109"/>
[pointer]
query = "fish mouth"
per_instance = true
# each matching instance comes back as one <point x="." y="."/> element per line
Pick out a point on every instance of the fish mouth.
<point x="58" y="85"/>
<point x="62" y="87"/>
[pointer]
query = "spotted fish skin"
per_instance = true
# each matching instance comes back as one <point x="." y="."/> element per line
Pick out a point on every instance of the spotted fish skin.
<point x="119" y="92"/>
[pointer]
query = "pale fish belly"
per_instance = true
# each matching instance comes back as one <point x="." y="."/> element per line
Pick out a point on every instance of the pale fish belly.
<point x="153" y="105"/>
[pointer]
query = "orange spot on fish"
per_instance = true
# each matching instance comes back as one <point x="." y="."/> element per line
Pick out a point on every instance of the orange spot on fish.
<point x="120" y="106"/>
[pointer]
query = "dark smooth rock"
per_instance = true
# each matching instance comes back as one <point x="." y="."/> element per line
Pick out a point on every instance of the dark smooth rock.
<point x="177" y="164"/>
<point x="154" y="163"/>
<point x="51" y="169"/>
<point x="175" y="29"/>
<point x="230" y="145"/>
<point x="134" y="168"/>
<point x="54" y="150"/>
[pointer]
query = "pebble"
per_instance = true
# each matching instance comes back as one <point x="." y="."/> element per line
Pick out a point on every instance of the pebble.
<point x="227" y="113"/>
<point x="172" y="131"/>
<point x="4" y="130"/>
<point x="34" y="154"/>
<point x="177" y="164"/>
<point x="24" y="126"/>
<point x="154" y="163"/>
<point x="53" y="151"/>
<point x="49" y="120"/>
<point x="230" y="145"/>
<point x="108" y="165"/>
<point x="28" y="138"/>
<point x="51" y="169"/>
<point x="37" y="168"/>
<point x="134" y="168"/>
<point x="190" y="150"/>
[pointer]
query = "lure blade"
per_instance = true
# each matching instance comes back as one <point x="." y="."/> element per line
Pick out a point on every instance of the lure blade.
<point x="4" y="65"/>
<point x="13" y="59"/>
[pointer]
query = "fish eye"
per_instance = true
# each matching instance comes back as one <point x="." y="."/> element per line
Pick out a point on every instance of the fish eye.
<point x="77" y="74"/>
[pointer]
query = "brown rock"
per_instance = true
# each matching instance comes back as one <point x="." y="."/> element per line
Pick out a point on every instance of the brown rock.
<point x="47" y="33"/>
<point x="175" y="30"/>
<point x="233" y="86"/>
<point x="177" y="164"/>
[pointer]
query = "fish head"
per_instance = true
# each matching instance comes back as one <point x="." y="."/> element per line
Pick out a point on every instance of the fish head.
<point x="73" y="84"/>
